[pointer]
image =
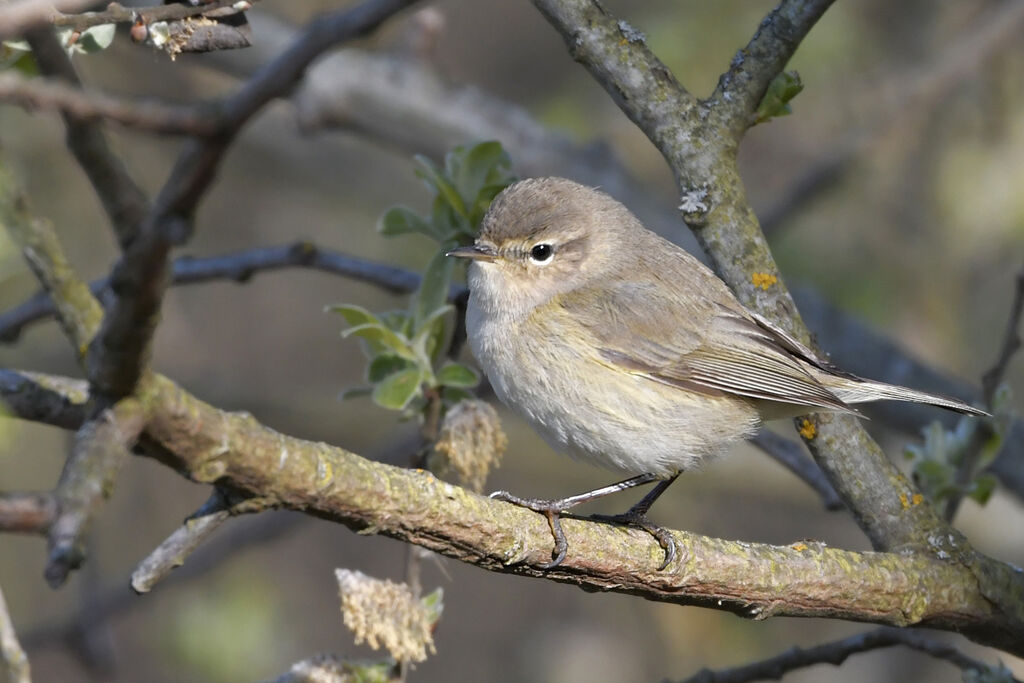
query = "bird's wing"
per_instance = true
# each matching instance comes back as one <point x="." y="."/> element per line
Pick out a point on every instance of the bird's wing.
<point x="708" y="346"/>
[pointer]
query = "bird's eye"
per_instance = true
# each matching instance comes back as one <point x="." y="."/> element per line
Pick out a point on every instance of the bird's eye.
<point x="541" y="253"/>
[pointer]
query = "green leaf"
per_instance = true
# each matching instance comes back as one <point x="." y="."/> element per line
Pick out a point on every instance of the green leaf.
<point x="399" y="321"/>
<point x="478" y="164"/>
<point x="430" y="336"/>
<point x="380" y="338"/>
<point x="385" y="365"/>
<point x="982" y="488"/>
<point x="433" y="291"/>
<point x="434" y="604"/>
<point x="354" y="315"/>
<point x="457" y="375"/>
<point x="440" y="184"/>
<point x="451" y="395"/>
<point x="401" y="220"/>
<point x="96" y="38"/>
<point x="781" y="90"/>
<point x="395" y="392"/>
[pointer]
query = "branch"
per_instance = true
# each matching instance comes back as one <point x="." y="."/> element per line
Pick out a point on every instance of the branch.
<point x="101" y="447"/>
<point x="18" y="17"/>
<point x="741" y="88"/>
<point x="749" y="579"/>
<point x="715" y="207"/>
<point x="791" y="456"/>
<point x="12" y="656"/>
<point x="116" y="14"/>
<point x="125" y="203"/>
<point x="836" y="652"/>
<point x="85" y="106"/>
<point x="27" y="513"/>
<point x="199" y="526"/>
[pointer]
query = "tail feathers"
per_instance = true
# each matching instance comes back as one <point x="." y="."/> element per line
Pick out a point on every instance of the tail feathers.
<point x="861" y="391"/>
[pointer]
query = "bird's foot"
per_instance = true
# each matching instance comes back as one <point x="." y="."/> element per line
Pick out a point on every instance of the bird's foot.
<point x="552" y="509"/>
<point x="638" y="520"/>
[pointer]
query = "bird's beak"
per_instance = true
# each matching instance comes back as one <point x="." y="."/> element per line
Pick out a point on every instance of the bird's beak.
<point x="476" y="252"/>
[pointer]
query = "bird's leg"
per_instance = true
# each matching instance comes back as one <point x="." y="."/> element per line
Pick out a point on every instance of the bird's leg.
<point x="552" y="509"/>
<point x="636" y="516"/>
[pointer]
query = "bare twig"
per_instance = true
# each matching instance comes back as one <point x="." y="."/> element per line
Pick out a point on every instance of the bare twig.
<point x="125" y="203"/>
<point x="43" y="398"/>
<point x="741" y="88"/>
<point x="18" y="17"/>
<point x="27" y="513"/>
<point x="749" y="579"/>
<point x="199" y="526"/>
<point x="101" y="446"/>
<point x="83" y="105"/>
<point x="990" y="381"/>
<point x="239" y="267"/>
<point x="16" y="667"/>
<point x="117" y="14"/>
<point x="836" y="652"/>
<point x="792" y="456"/>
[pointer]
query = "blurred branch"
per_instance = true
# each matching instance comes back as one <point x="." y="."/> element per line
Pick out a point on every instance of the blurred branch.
<point x="836" y="652"/>
<point x="16" y="667"/>
<point x="117" y="14"/>
<point x="83" y="106"/>
<point x="101" y="447"/>
<point x="238" y="267"/>
<point x="752" y="580"/>
<point x="27" y="513"/>
<point x="990" y="381"/>
<point x="908" y="93"/>
<point x="792" y="456"/>
<point x="199" y="526"/>
<point x="22" y="15"/>
<point x="125" y="203"/>
<point x="741" y="88"/>
<point x="56" y="401"/>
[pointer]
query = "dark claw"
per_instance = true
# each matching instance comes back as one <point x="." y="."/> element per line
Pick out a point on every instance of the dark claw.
<point x="640" y="521"/>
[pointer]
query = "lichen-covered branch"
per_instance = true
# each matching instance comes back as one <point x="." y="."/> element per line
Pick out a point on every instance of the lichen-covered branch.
<point x="117" y="14"/>
<point x="15" y="664"/>
<point x="752" y="580"/>
<point x="27" y="513"/>
<point x="837" y="652"/>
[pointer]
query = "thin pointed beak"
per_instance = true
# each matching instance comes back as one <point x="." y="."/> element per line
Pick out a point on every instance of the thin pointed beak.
<point x="476" y="252"/>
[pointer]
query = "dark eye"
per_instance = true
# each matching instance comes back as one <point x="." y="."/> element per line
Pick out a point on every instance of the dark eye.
<point x="541" y="253"/>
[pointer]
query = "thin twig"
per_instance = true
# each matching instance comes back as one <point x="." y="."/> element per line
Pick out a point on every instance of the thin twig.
<point x="123" y="200"/>
<point x="12" y="656"/>
<point x="836" y="652"/>
<point x="990" y="381"/>
<point x="27" y="513"/>
<point x="84" y="105"/>
<point x="117" y="14"/>
<point x="793" y="457"/>
<point x="18" y="17"/>
<point x="199" y="526"/>
<point x="239" y="267"/>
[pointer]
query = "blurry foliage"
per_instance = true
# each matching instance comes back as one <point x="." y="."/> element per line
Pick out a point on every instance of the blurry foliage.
<point x="18" y="54"/>
<point x="936" y="460"/>
<point x="406" y="349"/>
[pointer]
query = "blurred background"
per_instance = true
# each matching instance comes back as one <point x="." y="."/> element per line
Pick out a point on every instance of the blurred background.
<point x="893" y="191"/>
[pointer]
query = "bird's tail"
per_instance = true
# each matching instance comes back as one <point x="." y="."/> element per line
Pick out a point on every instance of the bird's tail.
<point x="863" y="390"/>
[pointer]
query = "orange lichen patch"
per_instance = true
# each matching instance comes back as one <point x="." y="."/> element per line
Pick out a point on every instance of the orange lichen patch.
<point x="763" y="280"/>
<point x="799" y="547"/>
<point x="916" y="499"/>
<point x="904" y="501"/>
<point x="808" y="430"/>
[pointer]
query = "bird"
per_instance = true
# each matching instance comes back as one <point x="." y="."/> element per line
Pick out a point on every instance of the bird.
<point x="623" y="350"/>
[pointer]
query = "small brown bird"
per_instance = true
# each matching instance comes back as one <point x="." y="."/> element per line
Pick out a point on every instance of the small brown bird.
<point x="623" y="350"/>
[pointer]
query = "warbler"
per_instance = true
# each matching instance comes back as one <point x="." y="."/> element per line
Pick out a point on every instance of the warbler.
<point x="622" y="349"/>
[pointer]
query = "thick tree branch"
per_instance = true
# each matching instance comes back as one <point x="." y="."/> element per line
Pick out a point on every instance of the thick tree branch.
<point x="117" y="14"/>
<point x="752" y="580"/>
<point x="125" y="203"/>
<point x="836" y="653"/>
<point x="27" y="513"/>
<point x="741" y="88"/>
<point x="83" y="106"/>
<point x="714" y="205"/>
